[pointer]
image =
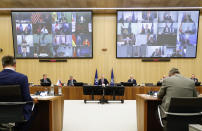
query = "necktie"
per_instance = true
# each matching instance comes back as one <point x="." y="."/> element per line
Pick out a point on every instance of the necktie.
<point x="45" y="81"/>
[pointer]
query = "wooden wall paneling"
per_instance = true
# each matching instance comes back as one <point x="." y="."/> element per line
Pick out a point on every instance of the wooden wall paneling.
<point x="104" y="36"/>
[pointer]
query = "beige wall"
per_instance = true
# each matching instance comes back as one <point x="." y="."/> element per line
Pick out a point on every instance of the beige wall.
<point x="104" y="36"/>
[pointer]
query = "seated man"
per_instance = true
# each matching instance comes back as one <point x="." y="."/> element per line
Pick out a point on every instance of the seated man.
<point x="8" y="76"/>
<point x="71" y="81"/>
<point x="45" y="81"/>
<point x="159" y="83"/>
<point x="193" y="77"/>
<point x="132" y="80"/>
<point x="103" y="80"/>
<point x="175" y="86"/>
<point x="163" y="78"/>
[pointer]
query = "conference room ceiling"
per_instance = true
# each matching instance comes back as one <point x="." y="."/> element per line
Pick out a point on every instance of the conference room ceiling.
<point x="111" y="4"/>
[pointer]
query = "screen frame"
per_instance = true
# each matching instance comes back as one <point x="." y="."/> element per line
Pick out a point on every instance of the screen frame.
<point x="13" y="35"/>
<point x="156" y="57"/>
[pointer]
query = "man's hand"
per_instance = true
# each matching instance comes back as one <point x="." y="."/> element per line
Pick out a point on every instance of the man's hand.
<point x="35" y="100"/>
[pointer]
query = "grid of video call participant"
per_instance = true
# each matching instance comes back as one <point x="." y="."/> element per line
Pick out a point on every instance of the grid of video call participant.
<point x="53" y="34"/>
<point x="157" y="33"/>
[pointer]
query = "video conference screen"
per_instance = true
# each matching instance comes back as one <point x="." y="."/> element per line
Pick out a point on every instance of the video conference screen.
<point x="157" y="34"/>
<point x="52" y="34"/>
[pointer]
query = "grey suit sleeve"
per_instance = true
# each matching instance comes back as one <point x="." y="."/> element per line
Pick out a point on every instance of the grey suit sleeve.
<point x="162" y="90"/>
<point x="195" y="93"/>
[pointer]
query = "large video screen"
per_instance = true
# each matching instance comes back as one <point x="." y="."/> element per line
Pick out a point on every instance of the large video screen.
<point x="157" y="34"/>
<point x="52" y="34"/>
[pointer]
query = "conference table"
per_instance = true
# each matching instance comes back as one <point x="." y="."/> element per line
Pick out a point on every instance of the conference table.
<point x="76" y="92"/>
<point x="147" y="118"/>
<point x="49" y="115"/>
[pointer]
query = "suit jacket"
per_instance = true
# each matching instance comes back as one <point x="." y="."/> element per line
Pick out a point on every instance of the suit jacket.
<point x="42" y="81"/>
<point x="176" y="86"/>
<point x="195" y="80"/>
<point x="69" y="82"/>
<point x="133" y="81"/>
<point x="10" y="77"/>
<point x="105" y="81"/>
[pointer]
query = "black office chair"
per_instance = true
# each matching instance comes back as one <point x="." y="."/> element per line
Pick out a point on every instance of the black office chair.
<point x="182" y="112"/>
<point x="11" y="106"/>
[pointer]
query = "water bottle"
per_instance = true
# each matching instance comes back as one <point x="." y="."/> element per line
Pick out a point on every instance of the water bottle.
<point x="52" y="90"/>
<point x="59" y="90"/>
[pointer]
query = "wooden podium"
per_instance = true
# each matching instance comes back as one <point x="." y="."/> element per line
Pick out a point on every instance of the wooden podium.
<point x="49" y="116"/>
<point x="147" y="116"/>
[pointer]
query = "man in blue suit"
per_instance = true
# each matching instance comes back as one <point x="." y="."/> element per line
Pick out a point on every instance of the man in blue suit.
<point x="132" y="80"/>
<point x="103" y="80"/>
<point x="71" y="81"/>
<point x="8" y="76"/>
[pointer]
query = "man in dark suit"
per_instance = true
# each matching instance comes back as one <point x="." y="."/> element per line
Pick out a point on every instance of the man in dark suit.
<point x="132" y="80"/>
<point x="8" y="76"/>
<point x="45" y="81"/>
<point x="175" y="86"/>
<point x="103" y="80"/>
<point x="71" y="81"/>
<point x="194" y="78"/>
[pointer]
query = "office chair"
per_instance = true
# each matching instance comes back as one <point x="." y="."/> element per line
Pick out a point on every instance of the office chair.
<point x="182" y="112"/>
<point x="11" y="106"/>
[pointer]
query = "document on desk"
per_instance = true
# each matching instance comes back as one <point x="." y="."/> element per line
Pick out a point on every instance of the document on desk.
<point x="42" y="97"/>
<point x="150" y="95"/>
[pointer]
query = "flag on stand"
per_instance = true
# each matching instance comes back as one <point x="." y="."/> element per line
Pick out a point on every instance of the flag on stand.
<point x="96" y="78"/>
<point x="112" y="78"/>
<point x="59" y="83"/>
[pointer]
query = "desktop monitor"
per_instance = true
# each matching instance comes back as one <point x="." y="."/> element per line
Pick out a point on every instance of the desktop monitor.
<point x="78" y="83"/>
<point x="127" y="83"/>
<point x="45" y="84"/>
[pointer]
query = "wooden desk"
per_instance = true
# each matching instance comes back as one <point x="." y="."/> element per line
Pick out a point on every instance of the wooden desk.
<point x="76" y="92"/>
<point x="147" y="117"/>
<point x="49" y="114"/>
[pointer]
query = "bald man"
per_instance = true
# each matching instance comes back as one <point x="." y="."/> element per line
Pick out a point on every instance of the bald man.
<point x="132" y="80"/>
<point x="103" y="80"/>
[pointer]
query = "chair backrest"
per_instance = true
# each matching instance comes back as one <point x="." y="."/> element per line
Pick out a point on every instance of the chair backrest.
<point x="10" y="93"/>
<point x="185" y="105"/>
<point x="11" y="104"/>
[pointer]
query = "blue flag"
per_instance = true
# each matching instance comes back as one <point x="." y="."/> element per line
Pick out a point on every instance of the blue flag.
<point x="112" y="78"/>
<point x="96" y="78"/>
